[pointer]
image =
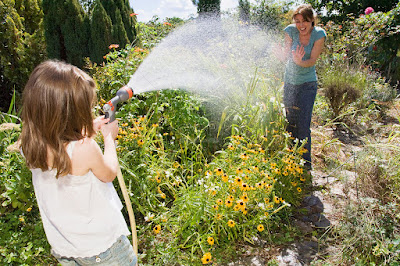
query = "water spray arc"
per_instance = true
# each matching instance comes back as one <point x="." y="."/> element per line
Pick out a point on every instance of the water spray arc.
<point x="110" y="108"/>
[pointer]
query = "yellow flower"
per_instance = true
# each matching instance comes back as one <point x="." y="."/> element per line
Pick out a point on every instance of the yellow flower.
<point x="245" y="187"/>
<point x="230" y="147"/>
<point x="175" y="165"/>
<point x="260" y="227"/>
<point x="241" y="204"/>
<point x="276" y="200"/>
<point x="29" y="209"/>
<point x="154" y="125"/>
<point x="21" y="219"/>
<point x="231" y="223"/>
<point x="215" y="207"/>
<point x="210" y="240"/>
<point x="244" y="197"/>
<point x="239" y="171"/>
<point x="298" y="189"/>
<point x="259" y="185"/>
<point x="206" y="259"/>
<point x="163" y="196"/>
<point x="225" y="177"/>
<point x="218" y="216"/>
<point x="157" y="229"/>
<point x="219" y="171"/>
<point x="238" y="181"/>
<point x="244" y="156"/>
<point x="302" y="179"/>
<point x="236" y="208"/>
<point x="219" y="201"/>
<point x="140" y="142"/>
<point x="228" y="203"/>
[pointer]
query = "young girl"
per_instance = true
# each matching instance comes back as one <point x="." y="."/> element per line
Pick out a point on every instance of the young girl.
<point x="80" y="209"/>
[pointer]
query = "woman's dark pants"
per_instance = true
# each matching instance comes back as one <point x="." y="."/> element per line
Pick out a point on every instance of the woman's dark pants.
<point x="299" y="103"/>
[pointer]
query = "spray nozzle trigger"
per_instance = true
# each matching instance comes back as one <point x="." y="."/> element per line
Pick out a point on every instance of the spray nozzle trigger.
<point x="123" y="94"/>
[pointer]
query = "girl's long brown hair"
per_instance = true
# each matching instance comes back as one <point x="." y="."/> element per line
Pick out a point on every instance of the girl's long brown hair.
<point x="57" y="109"/>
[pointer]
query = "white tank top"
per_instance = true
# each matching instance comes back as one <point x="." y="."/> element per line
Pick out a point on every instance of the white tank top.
<point x="81" y="215"/>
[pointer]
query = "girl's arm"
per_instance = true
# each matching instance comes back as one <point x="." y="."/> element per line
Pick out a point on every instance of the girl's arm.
<point x="88" y="155"/>
<point x="298" y="54"/>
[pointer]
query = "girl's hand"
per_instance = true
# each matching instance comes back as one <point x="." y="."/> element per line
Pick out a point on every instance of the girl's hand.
<point x="110" y="129"/>
<point x="298" y="54"/>
<point x="98" y="122"/>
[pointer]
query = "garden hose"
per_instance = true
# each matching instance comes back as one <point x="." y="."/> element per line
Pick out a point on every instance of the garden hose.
<point x="130" y="210"/>
<point x="110" y="108"/>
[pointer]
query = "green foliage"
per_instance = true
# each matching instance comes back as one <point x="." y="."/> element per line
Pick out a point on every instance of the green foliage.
<point x="337" y="10"/>
<point x="22" y="45"/>
<point x="118" y="30"/>
<point x="369" y="234"/>
<point x="208" y="7"/>
<point x="101" y="33"/>
<point x="66" y="31"/>
<point x="271" y="14"/>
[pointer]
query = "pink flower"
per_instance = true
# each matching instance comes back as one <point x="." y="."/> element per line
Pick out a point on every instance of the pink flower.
<point x="368" y="10"/>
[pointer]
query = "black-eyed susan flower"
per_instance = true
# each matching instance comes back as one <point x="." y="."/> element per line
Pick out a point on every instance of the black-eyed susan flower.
<point x="225" y="177"/>
<point x="238" y="181"/>
<point x="244" y="156"/>
<point x="215" y="207"/>
<point x="299" y="189"/>
<point x="210" y="240"/>
<point x="228" y="203"/>
<point x="231" y="147"/>
<point x="231" y="223"/>
<point x="276" y="200"/>
<point x="157" y="229"/>
<point x="206" y="259"/>
<point x="218" y="216"/>
<point x="218" y="171"/>
<point x="241" y="204"/>
<point x="239" y="171"/>
<point x="219" y="201"/>
<point x="244" y="197"/>
<point x="231" y="198"/>
<point x="236" y="208"/>
<point x="29" y="209"/>
<point x="260" y="227"/>
<point x="302" y="179"/>
<point x="140" y="142"/>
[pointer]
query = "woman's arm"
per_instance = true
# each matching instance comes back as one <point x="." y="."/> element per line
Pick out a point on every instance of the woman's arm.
<point x="298" y="54"/>
<point x="282" y="53"/>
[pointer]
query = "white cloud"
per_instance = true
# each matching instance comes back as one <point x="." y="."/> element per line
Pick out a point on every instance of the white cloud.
<point x="175" y="8"/>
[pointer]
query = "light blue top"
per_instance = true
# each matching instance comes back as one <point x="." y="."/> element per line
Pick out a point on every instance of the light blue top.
<point x="295" y="74"/>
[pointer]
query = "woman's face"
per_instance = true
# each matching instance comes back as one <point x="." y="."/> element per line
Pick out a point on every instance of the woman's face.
<point x="303" y="25"/>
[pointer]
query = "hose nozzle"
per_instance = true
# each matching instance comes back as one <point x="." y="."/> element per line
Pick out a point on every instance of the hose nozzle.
<point x="110" y="108"/>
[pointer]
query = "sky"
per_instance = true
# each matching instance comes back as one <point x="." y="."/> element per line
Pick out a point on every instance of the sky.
<point x="146" y="9"/>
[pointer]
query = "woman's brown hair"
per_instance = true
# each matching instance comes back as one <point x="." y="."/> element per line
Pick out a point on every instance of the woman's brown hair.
<point x="307" y="12"/>
<point x="57" y="108"/>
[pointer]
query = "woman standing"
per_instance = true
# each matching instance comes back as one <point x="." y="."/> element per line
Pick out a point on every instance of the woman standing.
<point x="304" y="43"/>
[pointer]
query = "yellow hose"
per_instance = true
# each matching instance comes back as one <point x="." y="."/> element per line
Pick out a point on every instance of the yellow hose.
<point x="130" y="210"/>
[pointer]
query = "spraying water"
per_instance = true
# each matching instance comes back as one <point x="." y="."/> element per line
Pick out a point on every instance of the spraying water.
<point x="207" y="56"/>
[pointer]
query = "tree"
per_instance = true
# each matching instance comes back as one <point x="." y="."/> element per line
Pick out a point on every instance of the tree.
<point x="101" y="33"/>
<point x="337" y="10"/>
<point x="66" y="31"/>
<point x="118" y="30"/>
<point x="112" y="7"/>
<point x="22" y="45"/>
<point x="244" y="10"/>
<point x="207" y="8"/>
